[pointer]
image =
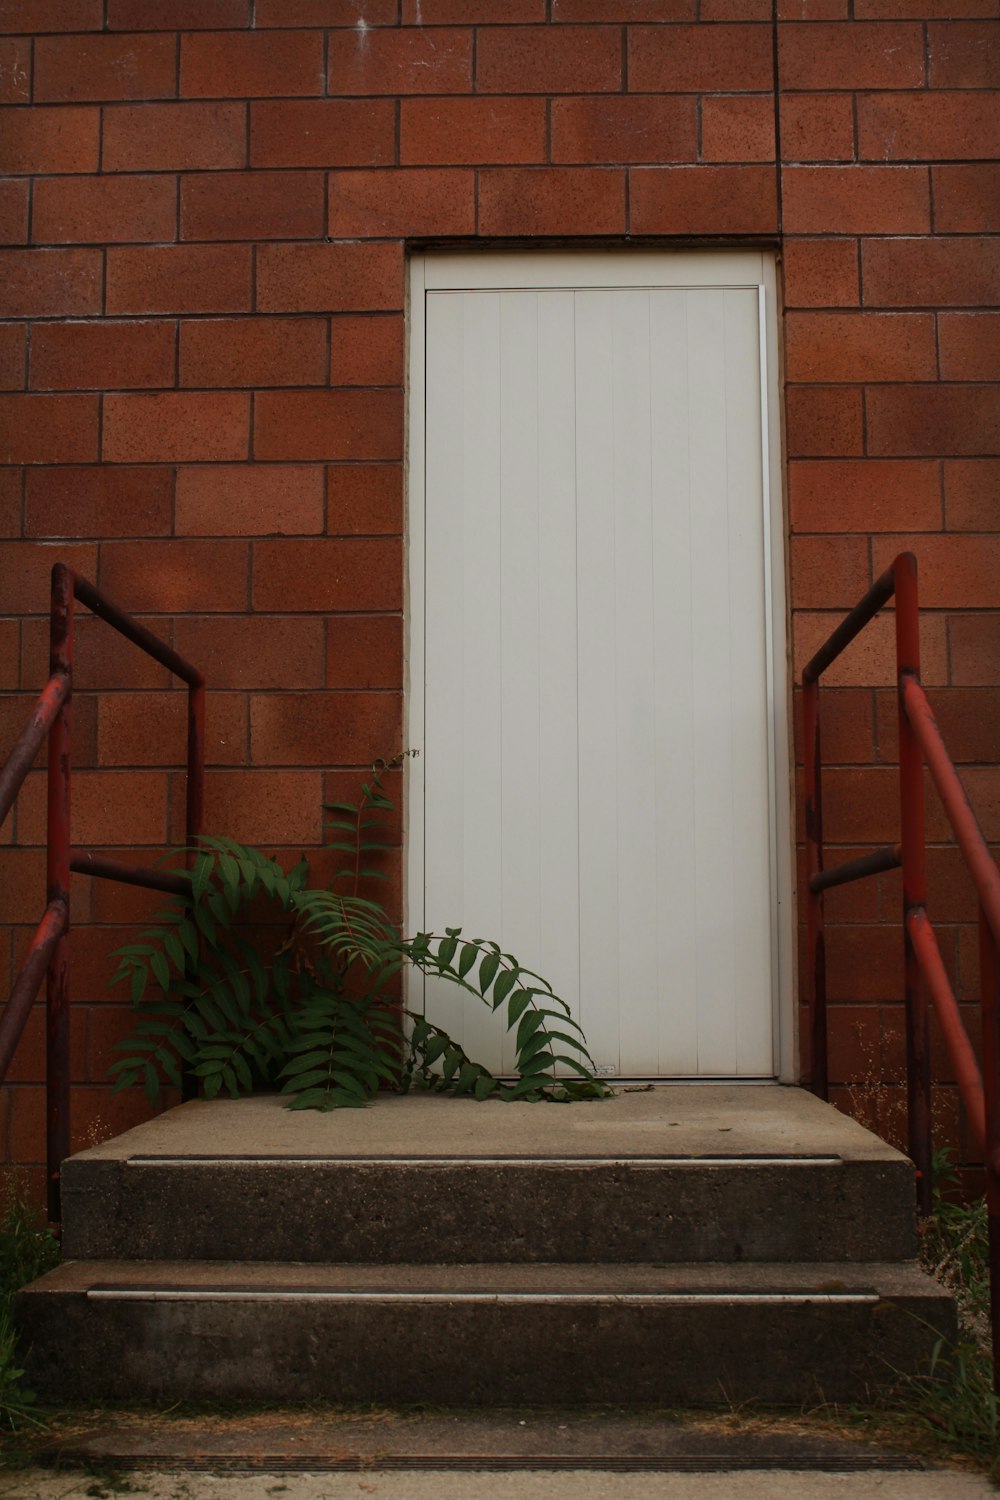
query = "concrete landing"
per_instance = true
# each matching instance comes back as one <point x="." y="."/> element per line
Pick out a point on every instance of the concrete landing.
<point x="667" y="1120"/>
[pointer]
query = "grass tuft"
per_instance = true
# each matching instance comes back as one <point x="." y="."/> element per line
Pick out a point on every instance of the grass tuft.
<point x="27" y="1250"/>
<point x="956" y="1398"/>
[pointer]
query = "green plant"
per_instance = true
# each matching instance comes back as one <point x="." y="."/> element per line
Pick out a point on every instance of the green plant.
<point x="957" y="1398"/>
<point x="313" y="1011"/>
<point x="27" y="1249"/>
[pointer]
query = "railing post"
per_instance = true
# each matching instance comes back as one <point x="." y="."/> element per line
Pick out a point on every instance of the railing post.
<point x="815" y="935"/>
<point x="195" y="816"/>
<point x="57" y="1130"/>
<point x="913" y="843"/>
<point x="989" y="976"/>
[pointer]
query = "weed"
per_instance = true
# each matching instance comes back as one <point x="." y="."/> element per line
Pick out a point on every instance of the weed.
<point x="957" y="1398"/>
<point x="27" y="1249"/>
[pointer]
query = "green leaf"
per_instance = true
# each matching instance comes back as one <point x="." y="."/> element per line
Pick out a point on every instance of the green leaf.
<point x="487" y="971"/>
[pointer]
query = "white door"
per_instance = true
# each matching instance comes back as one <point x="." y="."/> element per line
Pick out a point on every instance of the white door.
<point x="590" y="647"/>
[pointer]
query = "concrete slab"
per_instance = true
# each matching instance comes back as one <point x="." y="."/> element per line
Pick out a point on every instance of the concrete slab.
<point x="599" y="1439"/>
<point x="670" y="1120"/>
<point x="516" y="1485"/>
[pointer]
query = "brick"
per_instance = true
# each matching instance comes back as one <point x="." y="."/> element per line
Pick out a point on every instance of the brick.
<point x="367" y="351"/>
<point x="695" y="59"/>
<point x="254" y="651"/>
<point x="252" y="206"/>
<point x="324" y="12"/>
<point x="551" y="200"/>
<point x="176" y="15"/>
<point x="109" y="807"/>
<point x="848" y="728"/>
<point x="10" y="507"/>
<point x="922" y="10"/>
<point x="942" y="419"/>
<point x="474" y="12"/>
<point x="821" y="273"/>
<point x="322" y="133"/>
<point x="365" y="651"/>
<point x="939" y="272"/>
<point x="865" y="496"/>
<point x="471" y="131"/>
<point x="525" y="60"/>
<point x="174" y="137"/>
<point x="964" y="55"/>
<point x="328" y="424"/>
<point x="412" y="60"/>
<point x="828" y="571"/>
<point x="253" y="351"/>
<point x="150" y="729"/>
<point x="971" y="487"/>
<point x="625" y="10"/>
<point x="48" y="429"/>
<point x="817" y="127"/>
<point x="737" y="128"/>
<point x="12" y="356"/>
<point x="812" y="10"/>
<point x="970" y="348"/>
<point x="955" y="571"/>
<point x="975" y="649"/>
<point x="15" y="70"/>
<point x="969" y="719"/>
<point x="735" y="10"/>
<point x="365" y="499"/>
<point x="10" y="648"/>
<point x="322" y="729"/>
<point x="250" y="500"/>
<point x="865" y="963"/>
<point x="703" y="200"/>
<point x="70" y="210"/>
<point x="252" y="64"/>
<point x="49" y="139"/>
<point x="25" y="570"/>
<point x="51" y="15"/>
<point x="187" y="427"/>
<point x="928" y="126"/>
<point x="860" y="346"/>
<point x="77" y="68"/>
<point x="175" y="575"/>
<point x="98" y="502"/>
<point x="263" y="808"/>
<point x="179" y="279"/>
<point x="102" y="657"/>
<point x="966" y="198"/>
<point x="82" y="356"/>
<point x="823" y="422"/>
<point x="13" y="211"/>
<point x="624" y="128"/>
<point x="412" y="201"/>
<point x="329" y="278"/>
<point x="839" y="55"/>
<point x="359" y="573"/>
<point x="856" y="200"/>
<point x="22" y="876"/>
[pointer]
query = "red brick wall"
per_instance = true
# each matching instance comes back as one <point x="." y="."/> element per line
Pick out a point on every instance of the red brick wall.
<point x="206" y="210"/>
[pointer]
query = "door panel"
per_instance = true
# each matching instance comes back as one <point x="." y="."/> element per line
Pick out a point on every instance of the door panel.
<point x="592" y="715"/>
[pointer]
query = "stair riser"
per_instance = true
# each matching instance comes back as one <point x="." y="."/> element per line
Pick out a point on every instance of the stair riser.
<point x="473" y="1353"/>
<point x="388" y="1213"/>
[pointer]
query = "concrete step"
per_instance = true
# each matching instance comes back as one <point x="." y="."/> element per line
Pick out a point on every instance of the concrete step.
<point x="684" y="1173"/>
<point x="477" y="1335"/>
<point x="481" y="1209"/>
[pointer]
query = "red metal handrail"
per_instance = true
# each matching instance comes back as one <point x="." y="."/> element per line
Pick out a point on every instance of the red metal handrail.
<point x="926" y="980"/>
<point x="48" y="953"/>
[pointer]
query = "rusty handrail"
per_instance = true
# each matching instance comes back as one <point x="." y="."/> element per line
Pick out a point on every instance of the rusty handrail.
<point x="926" y="980"/>
<point x="49" y="951"/>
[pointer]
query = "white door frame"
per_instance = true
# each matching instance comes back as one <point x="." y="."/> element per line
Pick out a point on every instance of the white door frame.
<point x="456" y="271"/>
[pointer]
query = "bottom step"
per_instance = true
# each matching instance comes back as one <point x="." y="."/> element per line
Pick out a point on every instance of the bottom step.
<point x="475" y="1335"/>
